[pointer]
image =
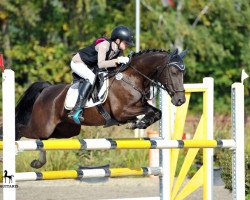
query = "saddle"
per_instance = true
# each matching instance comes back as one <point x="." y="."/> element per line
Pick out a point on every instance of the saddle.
<point x="98" y="95"/>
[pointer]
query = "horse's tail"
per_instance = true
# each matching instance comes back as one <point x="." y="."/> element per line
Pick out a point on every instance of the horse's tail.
<point x="25" y="104"/>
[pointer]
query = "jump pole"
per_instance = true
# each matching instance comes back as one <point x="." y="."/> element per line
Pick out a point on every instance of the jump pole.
<point x="88" y="173"/>
<point x="164" y="154"/>
<point x="208" y="107"/>
<point x="9" y="155"/>
<point x="108" y="144"/>
<point x="238" y="156"/>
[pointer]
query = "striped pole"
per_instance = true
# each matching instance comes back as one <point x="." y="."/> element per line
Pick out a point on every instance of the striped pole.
<point x="88" y="173"/>
<point x="104" y="144"/>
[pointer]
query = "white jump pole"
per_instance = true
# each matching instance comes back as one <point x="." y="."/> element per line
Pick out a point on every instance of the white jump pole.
<point x="8" y="94"/>
<point x="165" y="132"/>
<point x="209" y="106"/>
<point x="137" y="24"/>
<point x="238" y="158"/>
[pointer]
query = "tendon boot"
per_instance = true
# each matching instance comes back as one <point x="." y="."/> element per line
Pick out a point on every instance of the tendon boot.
<point x="84" y="91"/>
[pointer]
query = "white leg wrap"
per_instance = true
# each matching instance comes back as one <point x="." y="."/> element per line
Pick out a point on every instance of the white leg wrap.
<point x="83" y="71"/>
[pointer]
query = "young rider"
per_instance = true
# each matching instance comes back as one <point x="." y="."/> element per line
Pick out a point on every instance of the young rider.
<point x="104" y="53"/>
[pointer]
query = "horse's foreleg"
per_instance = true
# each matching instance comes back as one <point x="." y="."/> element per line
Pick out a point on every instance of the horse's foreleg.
<point x="151" y="116"/>
<point x="40" y="161"/>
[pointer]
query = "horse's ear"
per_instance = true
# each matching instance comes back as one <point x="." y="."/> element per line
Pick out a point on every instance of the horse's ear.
<point x="174" y="53"/>
<point x="183" y="53"/>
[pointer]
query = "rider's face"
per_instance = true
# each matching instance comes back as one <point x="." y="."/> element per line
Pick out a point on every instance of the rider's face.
<point x="122" y="45"/>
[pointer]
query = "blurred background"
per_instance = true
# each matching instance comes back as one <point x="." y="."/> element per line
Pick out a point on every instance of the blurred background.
<point x="38" y="37"/>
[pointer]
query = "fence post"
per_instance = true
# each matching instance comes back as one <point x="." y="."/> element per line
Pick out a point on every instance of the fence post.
<point x="208" y="110"/>
<point x="8" y="95"/>
<point x="238" y="157"/>
<point x="164" y="161"/>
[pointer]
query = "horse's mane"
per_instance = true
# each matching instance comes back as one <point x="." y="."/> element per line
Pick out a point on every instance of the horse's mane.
<point x="112" y="72"/>
<point x="134" y="54"/>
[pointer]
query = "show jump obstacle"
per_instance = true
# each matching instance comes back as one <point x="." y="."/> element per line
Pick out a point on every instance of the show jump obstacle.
<point x="169" y="143"/>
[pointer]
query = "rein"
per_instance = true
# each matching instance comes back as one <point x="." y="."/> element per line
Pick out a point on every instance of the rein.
<point x="150" y="80"/>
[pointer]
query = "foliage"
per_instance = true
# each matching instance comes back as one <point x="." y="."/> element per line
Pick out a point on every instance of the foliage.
<point x="39" y="37"/>
<point x="226" y="174"/>
<point x="224" y="157"/>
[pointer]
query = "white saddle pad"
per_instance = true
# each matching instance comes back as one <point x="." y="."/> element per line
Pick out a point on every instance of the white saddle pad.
<point x="72" y="96"/>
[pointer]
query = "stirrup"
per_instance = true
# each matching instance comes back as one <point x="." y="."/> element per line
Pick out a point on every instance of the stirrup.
<point x="77" y="116"/>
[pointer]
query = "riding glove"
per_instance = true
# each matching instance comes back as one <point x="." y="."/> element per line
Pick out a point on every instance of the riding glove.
<point x="123" y="59"/>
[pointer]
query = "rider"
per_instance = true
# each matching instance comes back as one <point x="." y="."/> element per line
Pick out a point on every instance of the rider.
<point x="104" y="53"/>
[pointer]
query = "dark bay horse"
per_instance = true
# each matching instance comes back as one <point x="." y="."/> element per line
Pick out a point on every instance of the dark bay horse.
<point x="40" y="113"/>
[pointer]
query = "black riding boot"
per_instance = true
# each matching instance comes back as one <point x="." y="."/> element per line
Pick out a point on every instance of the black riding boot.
<point x="84" y="91"/>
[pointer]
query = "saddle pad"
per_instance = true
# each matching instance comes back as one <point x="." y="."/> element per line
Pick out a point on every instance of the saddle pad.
<point x="73" y="92"/>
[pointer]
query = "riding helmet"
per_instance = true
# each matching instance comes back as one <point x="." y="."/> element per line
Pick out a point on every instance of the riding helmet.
<point x="124" y="34"/>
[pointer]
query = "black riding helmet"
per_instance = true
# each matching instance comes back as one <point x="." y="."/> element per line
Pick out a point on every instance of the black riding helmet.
<point x="124" y="34"/>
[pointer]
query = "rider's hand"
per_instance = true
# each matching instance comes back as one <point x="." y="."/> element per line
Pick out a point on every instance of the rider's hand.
<point x="123" y="60"/>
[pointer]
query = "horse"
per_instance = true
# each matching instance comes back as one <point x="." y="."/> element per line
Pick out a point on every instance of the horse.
<point x="41" y="114"/>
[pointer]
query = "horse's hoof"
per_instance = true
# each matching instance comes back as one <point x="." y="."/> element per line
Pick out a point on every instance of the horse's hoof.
<point x="36" y="164"/>
<point x="141" y="125"/>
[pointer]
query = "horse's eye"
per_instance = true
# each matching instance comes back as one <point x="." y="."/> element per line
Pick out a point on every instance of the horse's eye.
<point x="174" y="73"/>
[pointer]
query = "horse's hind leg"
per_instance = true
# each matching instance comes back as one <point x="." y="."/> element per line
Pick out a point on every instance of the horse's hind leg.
<point x="63" y="130"/>
<point x="66" y="130"/>
<point x="40" y="129"/>
<point x="34" y="132"/>
<point x="40" y="161"/>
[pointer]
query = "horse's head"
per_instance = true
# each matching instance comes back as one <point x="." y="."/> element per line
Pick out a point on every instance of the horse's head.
<point x="171" y="77"/>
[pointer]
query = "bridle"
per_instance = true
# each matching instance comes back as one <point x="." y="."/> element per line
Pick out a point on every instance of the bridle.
<point x="169" y="87"/>
<point x="171" y="90"/>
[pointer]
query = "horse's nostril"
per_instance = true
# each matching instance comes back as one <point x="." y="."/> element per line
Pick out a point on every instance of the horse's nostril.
<point x="181" y="101"/>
